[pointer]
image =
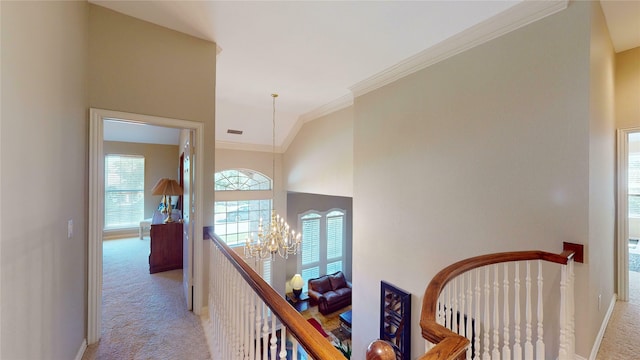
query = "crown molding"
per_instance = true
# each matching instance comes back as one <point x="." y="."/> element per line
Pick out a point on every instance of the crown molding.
<point x="228" y="145"/>
<point x="519" y="15"/>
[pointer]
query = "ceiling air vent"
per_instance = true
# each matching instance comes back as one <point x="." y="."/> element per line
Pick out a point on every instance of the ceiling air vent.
<point x="234" y="132"/>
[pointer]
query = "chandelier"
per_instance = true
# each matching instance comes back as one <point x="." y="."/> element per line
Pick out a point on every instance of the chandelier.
<point x="278" y="237"/>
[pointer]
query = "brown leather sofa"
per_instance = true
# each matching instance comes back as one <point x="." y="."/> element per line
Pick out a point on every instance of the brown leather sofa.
<point x="331" y="292"/>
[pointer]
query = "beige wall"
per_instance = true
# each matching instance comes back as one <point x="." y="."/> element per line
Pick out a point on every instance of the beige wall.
<point x="157" y="72"/>
<point x="320" y="159"/>
<point x="601" y="243"/>
<point x="160" y="161"/>
<point x="628" y="89"/>
<point x="138" y="67"/>
<point x="483" y="152"/>
<point x="44" y="169"/>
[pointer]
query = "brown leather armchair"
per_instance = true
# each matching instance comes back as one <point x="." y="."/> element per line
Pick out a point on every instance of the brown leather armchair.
<point x="331" y="292"/>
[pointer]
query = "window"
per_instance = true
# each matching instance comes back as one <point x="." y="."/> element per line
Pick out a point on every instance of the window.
<point x="634" y="185"/>
<point x="241" y="179"/>
<point x="123" y="191"/>
<point x="322" y="244"/>
<point x="245" y="199"/>
<point x="235" y="220"/>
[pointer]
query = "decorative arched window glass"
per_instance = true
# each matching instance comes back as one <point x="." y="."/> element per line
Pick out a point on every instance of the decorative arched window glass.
<point x="241" y="179"/>
<point x="243" y="197"/>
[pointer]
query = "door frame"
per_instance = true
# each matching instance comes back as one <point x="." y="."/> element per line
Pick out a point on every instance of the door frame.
<point x="96" y="208"/>
<point x="622" y="212"/>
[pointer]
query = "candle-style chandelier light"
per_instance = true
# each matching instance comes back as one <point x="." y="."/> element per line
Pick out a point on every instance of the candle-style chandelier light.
<point x="278" y="237"/>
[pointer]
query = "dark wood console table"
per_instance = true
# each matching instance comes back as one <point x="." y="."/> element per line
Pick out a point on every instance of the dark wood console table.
<point x="166" y="247"/>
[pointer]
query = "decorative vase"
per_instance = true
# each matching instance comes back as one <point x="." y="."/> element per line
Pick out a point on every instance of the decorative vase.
<point x="297" y="292"/>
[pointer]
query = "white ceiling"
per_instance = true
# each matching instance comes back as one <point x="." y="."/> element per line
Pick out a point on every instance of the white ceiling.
<point x="315" y="53"/>
<point x="117" y="130"/>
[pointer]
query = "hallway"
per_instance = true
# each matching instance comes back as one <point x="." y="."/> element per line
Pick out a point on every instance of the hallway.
<point x="144" y="315"/>
<point x="619" y="341"/>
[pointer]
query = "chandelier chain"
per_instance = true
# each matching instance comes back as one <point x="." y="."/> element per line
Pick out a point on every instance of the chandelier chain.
<point x="278" y="237"/>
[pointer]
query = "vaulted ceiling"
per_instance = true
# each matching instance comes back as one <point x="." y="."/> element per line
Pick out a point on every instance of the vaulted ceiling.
<point x="317" y="54"/>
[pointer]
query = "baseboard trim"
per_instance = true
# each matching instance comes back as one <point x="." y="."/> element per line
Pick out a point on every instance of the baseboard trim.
<point x="83" y="348"/>
<point x="208" y="334"/>
<point x="603" y="328"/>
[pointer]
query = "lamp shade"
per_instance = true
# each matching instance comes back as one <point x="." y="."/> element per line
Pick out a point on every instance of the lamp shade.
<point x="166" y="186"/>
<point x="297" y="282"/>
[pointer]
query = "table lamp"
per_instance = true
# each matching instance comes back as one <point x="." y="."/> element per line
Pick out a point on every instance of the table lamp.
<point x="167" y="187"/>
<point x="296" y="285"/>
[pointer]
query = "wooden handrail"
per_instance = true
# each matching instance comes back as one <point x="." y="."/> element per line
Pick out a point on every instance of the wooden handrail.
<point x="308" y="337"/>
<point x="449" y="345"/>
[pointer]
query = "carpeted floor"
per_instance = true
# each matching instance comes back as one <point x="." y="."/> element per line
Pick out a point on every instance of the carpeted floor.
<point x="144" y="316"/>
<point x="619" y="341"/>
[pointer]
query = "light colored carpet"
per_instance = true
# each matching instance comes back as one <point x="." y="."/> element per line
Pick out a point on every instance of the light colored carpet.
<point x="619" y="341"/>
<point x="144" y="316"/>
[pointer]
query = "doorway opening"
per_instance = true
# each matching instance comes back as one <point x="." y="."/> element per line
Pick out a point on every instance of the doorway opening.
<point x="628" y="217"/>
<point x="192" y="249"/>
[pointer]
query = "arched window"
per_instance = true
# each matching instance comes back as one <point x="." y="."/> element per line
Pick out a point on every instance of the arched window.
<point x="243" y="197"/>
<point x="241" y="179"/>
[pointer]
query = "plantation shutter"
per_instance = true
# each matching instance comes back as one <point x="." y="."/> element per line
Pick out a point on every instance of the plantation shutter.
<point x="266" y="271"/>
<point x="310" y="239"/>
<point x="335" y="231"/>
<point x="124" y="191"/>
<point x="335" y="241"/>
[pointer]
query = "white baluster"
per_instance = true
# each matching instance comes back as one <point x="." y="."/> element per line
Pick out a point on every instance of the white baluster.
<point x="495" y="354"/>
<point x="257" y="325"/>
<point x="540" y="351"/>
<point x="463" y="299"/>
<point x="517" y="349"/>
<point x="294" y="348"/>
<point x="528" y="345"/>
<point x="248" y="322"/>
<point x="448" y="311"/>
<point x="283" y="342"/>
<point x="265" y="332"/>
<point x="441" y="307"/>
<point x="223" y="311"/>
<point x="239" y="306"/>
<point x="486" y="355"/>
<point x="230" y="314"/>
<point x="252" y="324"/>
<point x="476" y="317"/>
<point x="454" y="307"/>
<point x="506" y="342"/>
<point x="562" y="352"/>
<point x="468" y="314"/>
<point x="222" y="307"/>
<point x="572" y="319"/>
<point x="274" y="338"/>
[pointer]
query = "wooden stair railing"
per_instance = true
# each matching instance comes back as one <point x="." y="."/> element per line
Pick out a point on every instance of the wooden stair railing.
<point x="315" y="345"/>
<point x="449" y="345"/>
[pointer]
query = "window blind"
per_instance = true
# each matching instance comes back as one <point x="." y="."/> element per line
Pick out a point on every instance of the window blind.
<point x="124" y="191"/>
<point x="335" y="230"/>
<point x="310" y="239"/>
